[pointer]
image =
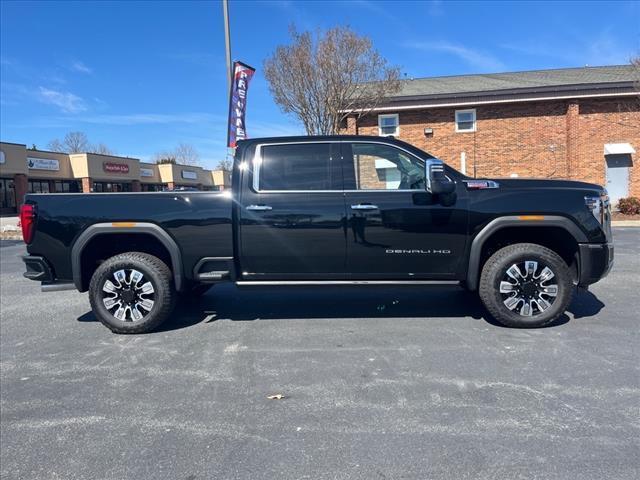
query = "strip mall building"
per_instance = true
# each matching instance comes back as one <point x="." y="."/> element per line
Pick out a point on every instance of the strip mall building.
<point x="573" y="123"/>
<point x="24" y="170"/>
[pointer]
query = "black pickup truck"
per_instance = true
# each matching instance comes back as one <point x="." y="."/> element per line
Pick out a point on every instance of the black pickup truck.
<point x="325" y="210"/>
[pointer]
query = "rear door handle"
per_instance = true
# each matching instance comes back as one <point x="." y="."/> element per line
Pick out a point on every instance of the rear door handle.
<point x="364" y="206"/>
<point x="259" y="208"/>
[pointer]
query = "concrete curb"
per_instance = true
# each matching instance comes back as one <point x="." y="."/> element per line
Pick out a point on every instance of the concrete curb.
<point x="625" y="223"/>
<point x="10" y="236"/>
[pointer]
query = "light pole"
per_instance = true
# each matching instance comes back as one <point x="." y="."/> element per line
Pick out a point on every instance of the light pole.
<point x="227" y="41"/>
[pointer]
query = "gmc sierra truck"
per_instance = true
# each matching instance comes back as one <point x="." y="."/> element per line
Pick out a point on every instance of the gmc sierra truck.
<point x="325" y="210"/>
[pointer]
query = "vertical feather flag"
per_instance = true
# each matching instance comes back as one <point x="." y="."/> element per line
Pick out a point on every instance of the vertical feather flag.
<point x="242" y="75"/>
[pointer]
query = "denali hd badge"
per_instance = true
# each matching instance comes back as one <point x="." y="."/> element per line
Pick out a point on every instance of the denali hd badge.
<point x="418" y="251"/>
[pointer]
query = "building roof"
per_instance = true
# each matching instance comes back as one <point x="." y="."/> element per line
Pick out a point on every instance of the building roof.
<point x="513" y="87"/>
<point x="536" y="79"/>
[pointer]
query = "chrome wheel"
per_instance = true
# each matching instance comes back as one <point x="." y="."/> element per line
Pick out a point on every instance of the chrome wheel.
<point x="528" y="288"/>
<point x="128" y="295"/>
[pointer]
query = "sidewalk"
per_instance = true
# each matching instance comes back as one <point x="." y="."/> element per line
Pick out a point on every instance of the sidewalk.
<point x="9" y="224"/>
<point x="625" y="223"/>
<point x="9" y="229"/>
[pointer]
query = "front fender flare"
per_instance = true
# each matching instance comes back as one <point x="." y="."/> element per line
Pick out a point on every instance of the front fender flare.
<point x="117" y="227"/>
<point x="513" y="221"/>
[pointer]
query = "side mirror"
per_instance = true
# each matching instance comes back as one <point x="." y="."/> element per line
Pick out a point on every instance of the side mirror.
<point x="437" y="181"/>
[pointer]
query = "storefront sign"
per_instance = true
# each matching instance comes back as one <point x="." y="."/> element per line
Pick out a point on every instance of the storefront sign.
<point x="111" y="167"/>
<point x="189" y="174"/>
<point x="242" y="74"/>
<point x="146" y="172"/>
<point x="43" y="163"/>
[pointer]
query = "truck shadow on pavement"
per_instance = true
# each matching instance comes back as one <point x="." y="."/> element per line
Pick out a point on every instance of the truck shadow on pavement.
<point x="228" y="302"/>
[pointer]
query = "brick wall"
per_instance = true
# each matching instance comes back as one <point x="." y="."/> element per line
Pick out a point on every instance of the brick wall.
<point x="368" y="177"/>
<point x="552" y="139"/>
<point x="607" y="121"/>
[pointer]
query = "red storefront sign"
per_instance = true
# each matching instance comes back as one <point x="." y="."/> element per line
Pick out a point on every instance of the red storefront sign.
<point x="111" y="167"/>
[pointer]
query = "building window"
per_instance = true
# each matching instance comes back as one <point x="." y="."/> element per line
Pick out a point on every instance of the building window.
<point x="67" y="186"/>
<point x="7" y="196"/>
<point x="389" y="125"/>
<point x="111" y="187"/>
<point x="151" y="187"/>
<point x="466" y="120"/>
<point x="38" y="186"/>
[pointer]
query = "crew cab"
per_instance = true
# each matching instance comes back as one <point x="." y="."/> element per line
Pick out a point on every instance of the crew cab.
<point x="325" y="210"/>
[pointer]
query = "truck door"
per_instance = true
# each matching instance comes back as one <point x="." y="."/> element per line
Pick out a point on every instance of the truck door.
<point x="292" y="213"/>
<point x="396" y="229"/>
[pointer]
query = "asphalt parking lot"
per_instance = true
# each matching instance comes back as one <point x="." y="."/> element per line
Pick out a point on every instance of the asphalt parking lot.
<point x="379" y="382"/>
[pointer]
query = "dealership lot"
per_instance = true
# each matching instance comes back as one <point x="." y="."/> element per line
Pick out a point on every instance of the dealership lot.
<point x="378" y="383"/>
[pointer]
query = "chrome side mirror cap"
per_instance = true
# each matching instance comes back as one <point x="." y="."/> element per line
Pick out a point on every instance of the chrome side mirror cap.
<point x="437" y="181"/>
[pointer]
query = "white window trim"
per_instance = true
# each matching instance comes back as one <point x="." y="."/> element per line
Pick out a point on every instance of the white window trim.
<point x="389" y="115"/>
<point x="468" y="110"/>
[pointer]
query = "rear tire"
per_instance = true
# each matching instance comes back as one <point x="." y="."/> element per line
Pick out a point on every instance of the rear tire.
<point x="525" y="285"/>
<point x="132" y="293"/>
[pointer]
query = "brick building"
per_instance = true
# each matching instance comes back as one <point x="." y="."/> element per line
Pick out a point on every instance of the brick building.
<point x="575" y="123"/>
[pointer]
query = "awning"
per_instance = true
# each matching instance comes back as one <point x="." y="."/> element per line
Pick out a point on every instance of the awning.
<point x="618" y="149"/>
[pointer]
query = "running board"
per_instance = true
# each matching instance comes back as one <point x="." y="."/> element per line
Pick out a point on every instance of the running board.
<point x="57" y="287"/>
<point x="348" y="282"/>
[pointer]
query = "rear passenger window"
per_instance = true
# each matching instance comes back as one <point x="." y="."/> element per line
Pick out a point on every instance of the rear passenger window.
<point x="307" y="166"/>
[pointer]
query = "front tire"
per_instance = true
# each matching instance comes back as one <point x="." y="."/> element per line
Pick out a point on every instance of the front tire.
<point x="525" y="285"/>
<point x="132" y="293"/>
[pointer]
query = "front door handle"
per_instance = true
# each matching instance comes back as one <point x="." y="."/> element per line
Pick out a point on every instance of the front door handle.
<point x="364" y="206"/>
<point x="259" y="208"/>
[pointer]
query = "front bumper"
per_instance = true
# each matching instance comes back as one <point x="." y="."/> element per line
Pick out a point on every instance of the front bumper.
<point x="596" y="260"/>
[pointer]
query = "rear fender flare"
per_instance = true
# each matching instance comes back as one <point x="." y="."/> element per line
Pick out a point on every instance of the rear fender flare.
<point x="513" y="221"/>
<point x="117" y="227"/>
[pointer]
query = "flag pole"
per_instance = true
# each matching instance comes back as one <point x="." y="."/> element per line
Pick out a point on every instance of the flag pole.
<point x="227" y="40"/>
<point x="227" y="44"/>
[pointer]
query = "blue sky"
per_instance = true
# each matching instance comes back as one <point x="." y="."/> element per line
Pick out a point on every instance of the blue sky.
<point x="143" y="77"/>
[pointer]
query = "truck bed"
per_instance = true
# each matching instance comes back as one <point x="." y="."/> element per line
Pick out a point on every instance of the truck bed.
<point x="199" y="222"/>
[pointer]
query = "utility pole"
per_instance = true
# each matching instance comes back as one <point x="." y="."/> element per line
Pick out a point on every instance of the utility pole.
<point x="227" y="41"/>
<point x="227" y="44"/>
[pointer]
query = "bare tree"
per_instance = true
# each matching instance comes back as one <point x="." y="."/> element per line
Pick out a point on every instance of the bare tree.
<point x="55" y="145"/>
<point x="77" y="142"/>
<point x="226" y="165"/>
<point x="164" y="157"/>
<point x="186" y="154"/>
<point x="101" y="148"/>
<point x="323" y="78"/>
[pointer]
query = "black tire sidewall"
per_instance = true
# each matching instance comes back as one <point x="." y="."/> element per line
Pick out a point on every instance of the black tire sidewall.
<point x="151" y="268"/>
<point x="495" y="269"/>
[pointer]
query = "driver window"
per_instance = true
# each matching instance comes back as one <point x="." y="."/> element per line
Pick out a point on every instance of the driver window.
<point x="383" y="167"/>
